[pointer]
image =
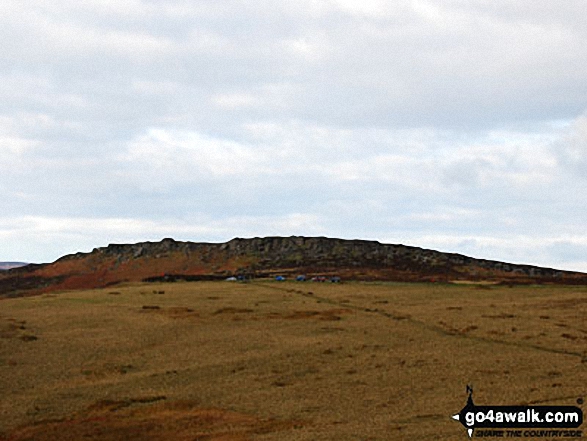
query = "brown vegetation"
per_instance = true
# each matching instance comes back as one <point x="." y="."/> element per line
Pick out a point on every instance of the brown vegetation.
<point x="276" y="361"/>
<point x="170" y="260"/>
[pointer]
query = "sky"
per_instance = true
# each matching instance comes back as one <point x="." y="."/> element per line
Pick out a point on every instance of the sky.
<point x="453" y="125"/>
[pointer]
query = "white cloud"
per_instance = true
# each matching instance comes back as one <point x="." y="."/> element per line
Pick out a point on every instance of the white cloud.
<point x="191" y="156"/>
<point x="550" y="252"/>
<point x="64" y="30"/>
<point x="310" y="48"/>
<point x="369" y="8"/>
<point x="412" y="119"/>
<point x="235" y="100"/>
<point x="57" y="236"/>
<point x="571" y="151"/>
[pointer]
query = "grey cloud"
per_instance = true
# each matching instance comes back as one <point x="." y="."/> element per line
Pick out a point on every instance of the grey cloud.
<point x="363" y="119"/>
<point x="571" y="150"/>
<point x="401" y="69"/>
<point x="568" y="251"/>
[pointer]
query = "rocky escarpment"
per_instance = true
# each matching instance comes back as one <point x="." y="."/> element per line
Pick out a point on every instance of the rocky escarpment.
<point x="257" y="257"/>
<point x="320" y="253"/>
<point x="283" y="252"/>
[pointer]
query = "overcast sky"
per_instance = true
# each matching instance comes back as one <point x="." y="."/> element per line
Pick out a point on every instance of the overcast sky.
<point x="453" y="125"/>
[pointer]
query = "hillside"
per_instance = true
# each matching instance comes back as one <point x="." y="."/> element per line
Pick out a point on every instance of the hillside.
<point x="262" y="257"/>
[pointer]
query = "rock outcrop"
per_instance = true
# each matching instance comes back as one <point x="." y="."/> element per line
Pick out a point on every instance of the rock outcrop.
<point x="258" y="257"/>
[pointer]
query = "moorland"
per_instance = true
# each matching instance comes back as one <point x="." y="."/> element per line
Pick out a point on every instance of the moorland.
<point x="259" y="257"/>
<point x="267" y="360"/>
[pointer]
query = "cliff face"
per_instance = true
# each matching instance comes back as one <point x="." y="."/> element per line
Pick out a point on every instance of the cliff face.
<point x="350" y="259"/>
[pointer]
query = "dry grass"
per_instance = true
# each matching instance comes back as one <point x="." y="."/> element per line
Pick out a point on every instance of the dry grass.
<point x="282" y="361"/>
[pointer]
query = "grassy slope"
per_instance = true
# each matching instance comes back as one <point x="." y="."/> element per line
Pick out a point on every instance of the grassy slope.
<point x="282" y="361"/>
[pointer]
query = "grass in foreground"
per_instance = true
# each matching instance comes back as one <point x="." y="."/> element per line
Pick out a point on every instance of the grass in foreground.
<point x="282" y="361"/>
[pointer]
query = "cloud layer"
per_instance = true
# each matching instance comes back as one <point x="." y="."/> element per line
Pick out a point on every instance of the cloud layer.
<point x="457" y="126"/>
